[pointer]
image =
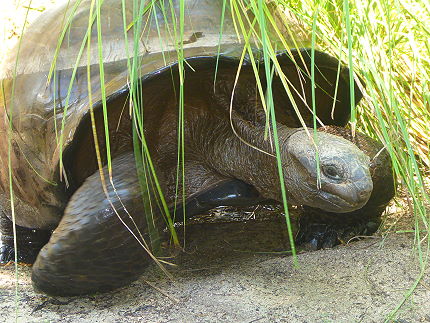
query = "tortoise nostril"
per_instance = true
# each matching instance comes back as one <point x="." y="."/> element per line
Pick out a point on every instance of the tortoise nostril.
<point x="364" y="194"/>
<point x="364" y="191"/>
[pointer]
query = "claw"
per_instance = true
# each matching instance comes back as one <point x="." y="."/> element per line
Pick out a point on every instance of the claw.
<point x="317" y="236"/>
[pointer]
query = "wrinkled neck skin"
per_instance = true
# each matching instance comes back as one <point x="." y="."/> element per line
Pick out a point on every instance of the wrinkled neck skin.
<point x="251" y="159"/>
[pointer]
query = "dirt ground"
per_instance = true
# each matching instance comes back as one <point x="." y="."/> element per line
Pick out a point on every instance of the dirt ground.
<point x="226" y="275"/>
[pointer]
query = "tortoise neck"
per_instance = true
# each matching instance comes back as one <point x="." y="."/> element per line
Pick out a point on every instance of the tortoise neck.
<point x="244" y="153"/>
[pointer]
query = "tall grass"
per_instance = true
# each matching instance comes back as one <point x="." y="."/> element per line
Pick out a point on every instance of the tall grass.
<point x="386" y="43"/>
<point x="10" y="175"/>
<point x="391" y="54"/>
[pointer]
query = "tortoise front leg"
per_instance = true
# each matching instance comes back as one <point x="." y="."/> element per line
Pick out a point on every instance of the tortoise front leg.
<point x="92" y="250"/>
<point x="223" y="191"/>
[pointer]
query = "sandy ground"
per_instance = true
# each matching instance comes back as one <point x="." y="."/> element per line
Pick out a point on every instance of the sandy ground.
<point x="225" y="275"/>
<point x="222" y="278"/>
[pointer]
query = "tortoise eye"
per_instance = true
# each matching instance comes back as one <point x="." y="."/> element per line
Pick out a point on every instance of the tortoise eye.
<point x="332" y="172"/>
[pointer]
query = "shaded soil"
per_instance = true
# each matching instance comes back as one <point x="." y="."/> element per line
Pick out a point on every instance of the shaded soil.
<point x="226" y="276"/>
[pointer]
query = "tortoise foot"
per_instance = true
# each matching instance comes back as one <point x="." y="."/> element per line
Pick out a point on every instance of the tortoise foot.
<point x="6" y="254"/>
<point x="317" y="236"/>
<point x="321" y="230"/>
<point x="27" y="253"/>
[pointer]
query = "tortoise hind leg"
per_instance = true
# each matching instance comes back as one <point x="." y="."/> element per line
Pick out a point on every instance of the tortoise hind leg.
<point x="29" y="241"/>
<point x="91" y="250"/>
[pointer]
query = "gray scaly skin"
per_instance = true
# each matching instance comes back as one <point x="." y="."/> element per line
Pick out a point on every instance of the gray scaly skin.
<point x="319" y="228"/>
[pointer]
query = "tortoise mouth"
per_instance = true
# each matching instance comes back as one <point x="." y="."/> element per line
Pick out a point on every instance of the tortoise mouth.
<point x="334" y="203"/>
<point x="337" y="198"/>
<point x="352" y="195"/>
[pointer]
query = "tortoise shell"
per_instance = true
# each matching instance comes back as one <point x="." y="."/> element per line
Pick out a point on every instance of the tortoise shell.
<point x="45" y="109"/>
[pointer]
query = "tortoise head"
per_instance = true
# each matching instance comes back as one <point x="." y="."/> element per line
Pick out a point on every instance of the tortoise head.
<point x="345" y="180"/>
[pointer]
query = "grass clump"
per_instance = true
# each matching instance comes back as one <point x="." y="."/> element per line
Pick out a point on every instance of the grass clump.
<point x="387" y="44"/>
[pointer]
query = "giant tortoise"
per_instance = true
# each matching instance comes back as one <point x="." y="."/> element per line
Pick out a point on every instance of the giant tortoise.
<point x="100" y="231"/>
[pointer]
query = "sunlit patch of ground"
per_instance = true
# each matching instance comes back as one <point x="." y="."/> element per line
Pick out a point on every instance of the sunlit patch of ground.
<point x="223" y="277"/>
